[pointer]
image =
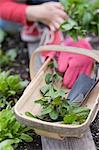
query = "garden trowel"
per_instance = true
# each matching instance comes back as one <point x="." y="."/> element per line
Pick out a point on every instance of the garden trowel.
<point x="82" y="88"/>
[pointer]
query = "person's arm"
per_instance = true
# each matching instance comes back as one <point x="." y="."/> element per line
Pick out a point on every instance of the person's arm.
<point x="12" y="11"/>
<point x="51" y="14"/>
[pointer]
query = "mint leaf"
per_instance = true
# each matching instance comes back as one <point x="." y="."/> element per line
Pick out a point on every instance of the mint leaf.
<point x="56" y="101"/>
<point x="46" y="110"/>
<point x="48" y="78"/>
<point x="44" y="89"/>
<point x="70" y="118"/>
<point x="30" y="114"/>
<point x="53" y="115"/>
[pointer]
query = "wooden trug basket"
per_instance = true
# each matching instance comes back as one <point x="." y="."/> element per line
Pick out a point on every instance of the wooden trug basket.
<point x="32" y="92"/>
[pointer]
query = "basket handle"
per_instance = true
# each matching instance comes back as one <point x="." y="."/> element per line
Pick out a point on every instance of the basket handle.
<point x="91" y="53"/>
<point x="93" y="112"/>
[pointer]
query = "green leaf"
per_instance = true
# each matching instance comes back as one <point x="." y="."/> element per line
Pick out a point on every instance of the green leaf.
<point x="2" y="104"/>
<point x="62" y="93"/>
<point x="56" y="76"/>
<point x="6" y="144"/>
<point x="24" y="83"/>
<point x="48" y="78"/>
<point x="70" y="118"/>
<point x="30" y="114"/>
<point x="83" y="14"/>
<point x="12" y="53"/>
<point x="44" y="89"/>
<point x="26" y="137"/>
<point x="68" y="25"/>
<point x="10" y="130"/>
<point x="81" y="110"/>
<point x="54" y="115"/>
<point x="87" y="18"/>
<point x="55" y="65"/>
<point x="51" y="93"/>
<point x="56" y="101"/>
<point x="46" y="110"/>
<point x="64" y="3"/>
<point x="40" y="101"/>
<point x="11" y="92"/>
<point x="2" y="35"/>
<point x="16" y="127"/>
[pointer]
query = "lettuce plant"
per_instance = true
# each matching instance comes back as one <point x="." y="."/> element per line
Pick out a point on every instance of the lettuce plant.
<point x="11" y="131"/>
<point x="10" y="85"/>
<point x="7" y="57"/>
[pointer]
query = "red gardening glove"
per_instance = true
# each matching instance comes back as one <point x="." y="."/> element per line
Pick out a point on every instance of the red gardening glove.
<point x="56" y="40"/>
<point x="72" y="65"/>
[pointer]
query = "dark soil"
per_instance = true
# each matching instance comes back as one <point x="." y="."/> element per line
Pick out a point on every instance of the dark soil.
<point x="21" y="67"/>
<point x="35" y="145"/>
<point x="95" y="131"/>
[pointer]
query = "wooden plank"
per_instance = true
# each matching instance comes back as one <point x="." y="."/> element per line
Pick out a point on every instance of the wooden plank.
<point x="84" y="143"/>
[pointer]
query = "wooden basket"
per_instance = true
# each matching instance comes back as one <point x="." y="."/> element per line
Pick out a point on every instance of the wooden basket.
<point x="32" y="92"/>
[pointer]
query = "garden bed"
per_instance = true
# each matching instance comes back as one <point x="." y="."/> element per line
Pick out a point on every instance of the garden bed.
<point x="21" y="67"/>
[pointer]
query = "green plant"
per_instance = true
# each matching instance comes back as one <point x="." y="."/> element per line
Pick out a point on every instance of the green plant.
<point x="11" y="131"/>
<point x="10" y="85"/>
<point x="83" y="17"/>
<point x="7" y="57"/>
<point x="55" y="106"/>
<point x="2" y="36"/>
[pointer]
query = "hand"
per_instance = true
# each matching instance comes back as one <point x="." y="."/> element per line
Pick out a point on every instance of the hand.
<point x="51" y="14"/>
<point x="72" y="65"/>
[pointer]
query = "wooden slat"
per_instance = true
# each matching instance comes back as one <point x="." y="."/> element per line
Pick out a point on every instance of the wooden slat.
<point x="84" y="143"/>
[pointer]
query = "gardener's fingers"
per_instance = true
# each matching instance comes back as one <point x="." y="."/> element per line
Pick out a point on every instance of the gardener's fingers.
<point x="55" y="25"/>
<point x="52" y="27"/>
<point x="57" y="4"/>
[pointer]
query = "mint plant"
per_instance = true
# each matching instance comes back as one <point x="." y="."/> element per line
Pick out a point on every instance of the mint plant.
<point x="55" y="106"/>
<point x="11" y="131"/>
<point x="83" y="18"/>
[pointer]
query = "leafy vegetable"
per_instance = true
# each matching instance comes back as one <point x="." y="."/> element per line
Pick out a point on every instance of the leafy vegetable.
<point x="83" y="17"/>
<point x="7" y="57"/>
<point x="10" y="85"/>
<point x="58" y="109"/>
<point x="55" y="106"/>
<point x="11" y="131"/>
<point x="2" y="35"/>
